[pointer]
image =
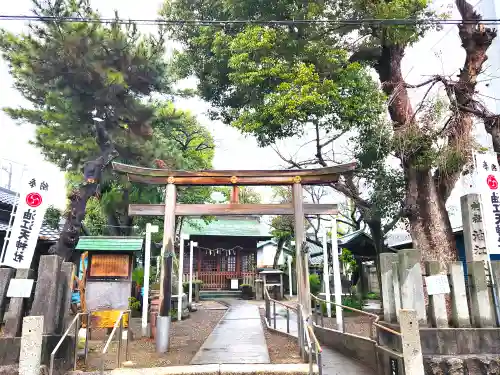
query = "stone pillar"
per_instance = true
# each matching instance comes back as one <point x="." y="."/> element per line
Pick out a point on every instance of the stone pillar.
<point x="259" y="289"/>
<point x="412" y="288"/>
<point x="437" y="302"/>
<point x="65" y="291"/>
<point x="459" y="305"/>
<point x="388" y="298"/>
<point x="47" y="299"/>
<point x="31" y="346"/>
<point x="474" y="233"/>
<point x="15" y="313"/>
<point x="396" y="286"/>
<point x="481" y="304"/>
<point x="5" y="275"/>
<point x="410" y="339"/>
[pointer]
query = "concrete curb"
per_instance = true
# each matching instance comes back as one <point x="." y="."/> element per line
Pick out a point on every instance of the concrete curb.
<point x="222" y="369"/>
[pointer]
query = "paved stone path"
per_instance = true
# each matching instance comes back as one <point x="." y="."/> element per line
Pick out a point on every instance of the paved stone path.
<point x="238" y="338"/>
<point x="333" y="362"/>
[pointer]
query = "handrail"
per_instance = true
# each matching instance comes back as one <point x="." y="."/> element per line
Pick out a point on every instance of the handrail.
<point x="279" y="302"/>
<point x="376" y="317"/>
<point x="76" y="320"/>
<point x="118" y="323"/>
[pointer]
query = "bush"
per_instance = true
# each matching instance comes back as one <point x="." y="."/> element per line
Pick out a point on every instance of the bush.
<point x="134" y="304"/>
<point x="314" y="284"/>
<point x="185" y="285"/>
<point x="246" y="291"/>
<point x="372" y="295"/>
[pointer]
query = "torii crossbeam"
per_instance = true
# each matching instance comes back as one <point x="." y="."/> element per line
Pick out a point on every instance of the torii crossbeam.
<point x="294" y="178"/>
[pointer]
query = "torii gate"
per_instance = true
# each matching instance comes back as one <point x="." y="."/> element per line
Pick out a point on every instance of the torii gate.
<point x="294" y="178"/>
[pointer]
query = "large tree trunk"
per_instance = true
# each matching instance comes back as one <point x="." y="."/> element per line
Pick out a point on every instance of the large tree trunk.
<point x="429" y="222"/>
<point x="279" y="249"/>
<point x="92" y="172"/>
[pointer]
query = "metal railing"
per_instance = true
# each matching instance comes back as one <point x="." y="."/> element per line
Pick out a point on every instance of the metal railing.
<point x="268" y="301"/>
<point x="308" y="343"/>
<point x="374" y="322"/>
<point x="77" y="323"/>
<point x="118" y="326"/>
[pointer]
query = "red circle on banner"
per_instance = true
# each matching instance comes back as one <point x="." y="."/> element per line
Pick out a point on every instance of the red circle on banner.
<point x="33" y="200"/>
<point x="492" y="182"/>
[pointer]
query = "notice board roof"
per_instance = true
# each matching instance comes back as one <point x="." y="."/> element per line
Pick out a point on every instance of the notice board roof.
<point x="102" y="243"/>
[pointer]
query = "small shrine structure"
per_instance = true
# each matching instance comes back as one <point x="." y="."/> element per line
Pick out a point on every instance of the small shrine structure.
<point x="108" y="276"/>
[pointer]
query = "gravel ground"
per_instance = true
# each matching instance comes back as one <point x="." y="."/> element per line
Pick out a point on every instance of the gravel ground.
<point x="187" y="337"/>
<point x="282" y="349"/>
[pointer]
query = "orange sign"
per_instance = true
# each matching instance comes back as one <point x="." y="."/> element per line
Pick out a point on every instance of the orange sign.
<point x="109" y="265"/>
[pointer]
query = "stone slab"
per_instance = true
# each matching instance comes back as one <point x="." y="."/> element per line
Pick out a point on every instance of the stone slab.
<point x="30" y="357"/>
<point x="15" y="313"/>
<point x="65" y="291"/>
<point x="5" y="275"/>
<point x="238" y="338"/>
<point x="47" y="301"/>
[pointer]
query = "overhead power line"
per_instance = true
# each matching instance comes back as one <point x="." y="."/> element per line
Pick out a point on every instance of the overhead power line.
<point x="201" y="22"/>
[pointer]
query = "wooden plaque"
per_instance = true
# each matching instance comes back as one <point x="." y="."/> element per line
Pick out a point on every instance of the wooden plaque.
<point x="109" y="265"/>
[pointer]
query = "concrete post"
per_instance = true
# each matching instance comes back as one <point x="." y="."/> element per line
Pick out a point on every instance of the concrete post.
<point x="66" y="289"/>
<point x="459" y="305"/>
<point x="5" y="275"/>
<point x="481" y="304"/>
<point x="396" y="287"/>
<point x="410" y="338"/>
<point x="412" y="288"/>
<point x="437" y="302"/>
<point x="46" y="300"/>
<point x="388" y="299"/>
<point x="259" y="289"/>
<point x="31" y="345"/>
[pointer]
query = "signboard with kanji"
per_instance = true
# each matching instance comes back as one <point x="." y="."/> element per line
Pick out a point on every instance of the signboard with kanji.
<point x="34" y="198"/>
<point x="487" y="183"/>
<point x="109" y="266"/>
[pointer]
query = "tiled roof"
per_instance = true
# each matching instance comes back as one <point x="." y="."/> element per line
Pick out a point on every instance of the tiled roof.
<point x="238" y="227"/>
<point x="7" y="197"/>
<point x="110" y="243"/>
<point x="47" y="233"/>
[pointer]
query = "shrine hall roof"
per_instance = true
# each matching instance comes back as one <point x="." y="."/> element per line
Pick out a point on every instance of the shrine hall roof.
<point x="235" y="227"/>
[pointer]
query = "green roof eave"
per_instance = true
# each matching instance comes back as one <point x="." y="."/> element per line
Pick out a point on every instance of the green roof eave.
<point x="225" y="227"/>
<point x="110" y="243"/>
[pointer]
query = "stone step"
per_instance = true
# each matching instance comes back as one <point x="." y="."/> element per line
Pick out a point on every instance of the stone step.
<point x="215" y="369"/>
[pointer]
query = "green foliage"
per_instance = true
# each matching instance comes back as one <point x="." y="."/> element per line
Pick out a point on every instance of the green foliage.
<point x="348" y="261"/>
<point x="247" y="195"/>
<point x="138" y="276"/>
<point x="134" y="304"/>
<point x="52" y="217"/>
<point x="314" y="284"/>
<point x="372" y="295"/>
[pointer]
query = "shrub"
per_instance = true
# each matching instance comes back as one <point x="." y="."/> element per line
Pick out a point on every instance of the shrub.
<point x="372" y="295"/>
<point x="314" y="284"/>
<point x="134" y="304"/>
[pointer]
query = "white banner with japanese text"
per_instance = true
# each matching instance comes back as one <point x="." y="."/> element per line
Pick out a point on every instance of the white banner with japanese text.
<point x="34" y="198"/>
<point x="487" y="180"/>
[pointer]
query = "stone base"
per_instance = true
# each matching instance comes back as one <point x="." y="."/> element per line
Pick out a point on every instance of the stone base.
<point x="462" y="365"/>
<point x="10" y="349"/>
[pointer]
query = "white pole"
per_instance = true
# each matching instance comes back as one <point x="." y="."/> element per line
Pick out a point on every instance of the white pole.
<point x="147" y="265"/>
<point x="181" y="270"/>
<point x="326" y="274"/>
<point x="191" y="246"/>
<point x="336" y="276"/>
<point x="290" y="281"/>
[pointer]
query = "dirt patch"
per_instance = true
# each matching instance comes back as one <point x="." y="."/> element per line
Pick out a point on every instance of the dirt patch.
<point x="187" y="337"/>
<point x="282" y="348"/>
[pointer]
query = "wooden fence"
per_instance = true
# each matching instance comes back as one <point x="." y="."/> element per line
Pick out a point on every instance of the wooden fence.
<point x="221" y="280"/>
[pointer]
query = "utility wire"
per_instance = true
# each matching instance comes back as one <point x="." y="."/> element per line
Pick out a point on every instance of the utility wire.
<point x="201" y="22"/>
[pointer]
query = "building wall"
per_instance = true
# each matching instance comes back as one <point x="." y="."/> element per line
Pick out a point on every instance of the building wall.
<point x="265" y="256"/>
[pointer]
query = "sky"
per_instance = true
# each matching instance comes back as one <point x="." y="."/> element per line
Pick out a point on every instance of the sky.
<point x="438" y="53"/>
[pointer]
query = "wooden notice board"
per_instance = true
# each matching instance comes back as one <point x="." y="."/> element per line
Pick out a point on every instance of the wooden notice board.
<point x="109" y="266"/>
